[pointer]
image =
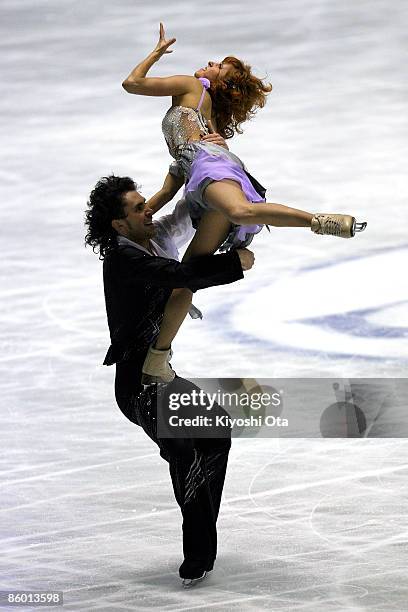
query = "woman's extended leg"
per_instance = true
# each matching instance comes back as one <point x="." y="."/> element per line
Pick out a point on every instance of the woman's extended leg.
<point x="211" y="233"/>
<point x="228" y="197"/>
<point x="213" y="229"/>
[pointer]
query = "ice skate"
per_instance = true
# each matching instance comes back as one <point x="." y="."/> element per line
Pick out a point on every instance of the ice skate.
<point x="343" y="226"/>
<point x="156" y="367"/>
<point x="190" y="582"/>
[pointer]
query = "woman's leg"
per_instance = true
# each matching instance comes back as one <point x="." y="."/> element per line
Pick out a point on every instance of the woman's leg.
<point x="211" y="233"/>
<point x="175" y="312"/>
<point x="228" y="197"/>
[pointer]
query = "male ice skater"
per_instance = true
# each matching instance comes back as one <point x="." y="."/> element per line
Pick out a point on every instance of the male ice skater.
<point x="140" y="270"/>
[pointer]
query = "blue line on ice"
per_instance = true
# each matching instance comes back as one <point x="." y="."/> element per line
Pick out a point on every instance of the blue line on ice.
<point x="340" y="308"/>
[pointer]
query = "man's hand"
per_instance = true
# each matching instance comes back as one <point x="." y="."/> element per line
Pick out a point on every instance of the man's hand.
<point x="247" y="258"/>
<point x="214" y="137"/>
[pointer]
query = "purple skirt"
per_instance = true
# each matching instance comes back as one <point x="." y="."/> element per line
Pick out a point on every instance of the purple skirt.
<point x="207" y="168"/>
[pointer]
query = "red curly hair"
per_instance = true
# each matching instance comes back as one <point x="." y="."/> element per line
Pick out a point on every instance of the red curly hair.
<point x="236" y="99"/>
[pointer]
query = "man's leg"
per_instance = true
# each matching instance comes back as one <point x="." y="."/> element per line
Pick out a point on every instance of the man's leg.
<point x="197" y="468"/>
<point x="198" y="480"/>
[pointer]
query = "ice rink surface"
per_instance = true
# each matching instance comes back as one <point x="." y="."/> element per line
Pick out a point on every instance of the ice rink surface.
<point x="86" y="502"/>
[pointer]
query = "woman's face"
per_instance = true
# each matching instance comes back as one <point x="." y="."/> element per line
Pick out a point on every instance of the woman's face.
<point x="215" y="71"/>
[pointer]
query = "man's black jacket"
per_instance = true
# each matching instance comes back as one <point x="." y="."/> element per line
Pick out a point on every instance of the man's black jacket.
<point x="137" y="287"/>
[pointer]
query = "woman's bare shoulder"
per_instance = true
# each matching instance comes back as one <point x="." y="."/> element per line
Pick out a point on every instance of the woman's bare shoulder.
<point x="191" y="98"/>
<point x="193" y="82"/>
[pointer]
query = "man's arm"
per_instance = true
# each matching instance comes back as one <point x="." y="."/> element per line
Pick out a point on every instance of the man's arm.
<point x="176" y="227"/>
<point x="213" y="137"/>
<point x="196" y="273"/>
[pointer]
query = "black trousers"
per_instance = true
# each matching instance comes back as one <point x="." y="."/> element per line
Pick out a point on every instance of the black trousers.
<point x="197" y="466"/>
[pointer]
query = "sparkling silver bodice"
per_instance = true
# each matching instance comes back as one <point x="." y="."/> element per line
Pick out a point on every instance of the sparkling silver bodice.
<point x="182" y="125"/>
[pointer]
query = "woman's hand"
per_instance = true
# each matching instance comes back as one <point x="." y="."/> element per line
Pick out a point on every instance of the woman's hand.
<point x="162" y="46"/>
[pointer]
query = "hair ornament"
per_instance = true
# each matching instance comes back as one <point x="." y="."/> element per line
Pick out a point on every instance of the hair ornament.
<point x="231" y="85"/>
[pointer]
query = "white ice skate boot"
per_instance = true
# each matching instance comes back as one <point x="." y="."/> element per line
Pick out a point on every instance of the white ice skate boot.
<point x="343" y="226"/>
<point x="156" y="367"/>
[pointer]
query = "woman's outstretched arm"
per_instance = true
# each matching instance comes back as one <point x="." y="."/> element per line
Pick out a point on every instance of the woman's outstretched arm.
<point x="137" y="83"/>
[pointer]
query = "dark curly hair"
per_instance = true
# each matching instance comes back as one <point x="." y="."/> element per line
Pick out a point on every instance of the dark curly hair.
<point x="237" y="98"/>
<point x="105" y="204"/>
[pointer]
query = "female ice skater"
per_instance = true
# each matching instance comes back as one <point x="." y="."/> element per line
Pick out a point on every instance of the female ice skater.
<point x="226" y="204"/>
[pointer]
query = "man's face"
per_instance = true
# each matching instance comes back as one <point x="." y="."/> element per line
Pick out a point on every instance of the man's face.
<point x="137" y="225"/>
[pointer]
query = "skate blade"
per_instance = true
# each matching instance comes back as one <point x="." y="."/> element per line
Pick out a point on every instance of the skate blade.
<point x="357" y="227"/>
<point x="360" y="227"/>
<point x="190" y="582"/>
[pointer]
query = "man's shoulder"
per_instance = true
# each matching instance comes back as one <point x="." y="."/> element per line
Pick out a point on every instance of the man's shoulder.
<point x="123" y="252"/>
<point x="122" y="259"/>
